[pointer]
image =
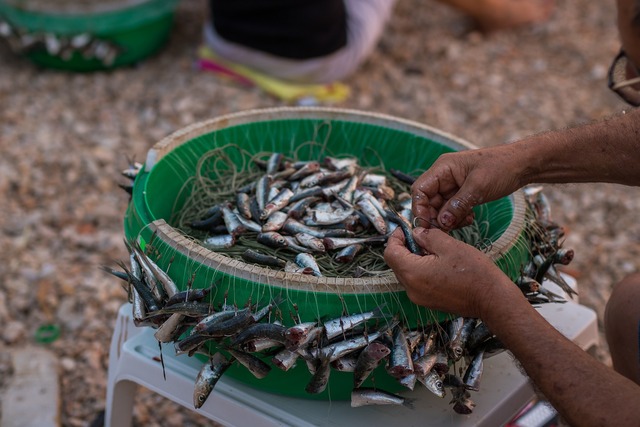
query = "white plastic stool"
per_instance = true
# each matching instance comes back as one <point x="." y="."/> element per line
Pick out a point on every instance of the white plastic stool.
<point x="134" y="359"/>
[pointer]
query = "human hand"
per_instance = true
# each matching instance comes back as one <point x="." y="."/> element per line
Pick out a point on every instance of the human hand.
<point x="445" y="194"/>
<point x="453" y="277"/>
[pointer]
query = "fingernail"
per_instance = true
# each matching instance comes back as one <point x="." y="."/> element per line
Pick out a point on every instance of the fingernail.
<point x="447" y="219"/>
<point x="419" y="230"/>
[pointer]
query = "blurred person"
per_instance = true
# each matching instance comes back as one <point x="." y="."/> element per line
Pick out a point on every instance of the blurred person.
<point x="323" y="41"/>
<point x="317" y="41"/>
<point x="495" y="15"/>
<point x="457" y="278"/>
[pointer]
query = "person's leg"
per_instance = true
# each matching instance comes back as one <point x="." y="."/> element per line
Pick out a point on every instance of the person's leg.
<point x="492" y="15"/>
<point x="366" y="20"/>
<point x="622" y="327"/>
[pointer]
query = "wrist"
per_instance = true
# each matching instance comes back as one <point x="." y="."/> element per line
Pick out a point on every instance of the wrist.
<point x="501" y="297"/>
<point x="531" y="163"/>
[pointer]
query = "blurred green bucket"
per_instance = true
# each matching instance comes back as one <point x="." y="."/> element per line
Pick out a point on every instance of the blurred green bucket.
<point x="158" y="194"/>
<point x="99" y="36"/>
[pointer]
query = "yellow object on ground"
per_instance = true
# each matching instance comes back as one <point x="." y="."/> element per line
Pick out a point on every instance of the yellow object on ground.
<point x="329" y="93"/>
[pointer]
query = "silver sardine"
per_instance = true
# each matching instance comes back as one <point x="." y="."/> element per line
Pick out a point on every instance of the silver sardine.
<point x="217" y="317"/>
<point x="335" y="164"/>
<point x="369" y="396"/>
<point x="302" y="334"/>
<point x="208" y="377"/>
<point x="234" y="226"/>
<point x="409" y="381"/>
<point x="473" y="374"/>
<point x="251" y="255"/>
<point x="345" y="364"/>
<point x="307" y="260"/>
<point x="274" y="222"/>
<point x="294" y="334"/>
<point x="270" y="331"/>
<point x="243" y="202"/>
<point x="298" y="209"/>
<point x="285" y="359"/>
<point x="272" y="239"/>
<point x="169" y="328"/>
<point x="259" y="344"/>
<point x="424" y="364"/>
<point x="294" y="246"/>
<point x="342" y="348"/>
<point x="400" y="362"/>
<point x="167" y="283"/>
<point x="330" y="218"/>
<point x="262" y="191"/>
<point x="348" y="253"/>
<point x="255" y="365"/>
<point x="320" y="378"/>
<point x="303" y="193"/>
<point x="249" y="224"/>
<point x="368" y="360"/>
<point x="433" y="383"/>
<point x="311" y="242"/>
<point x="459" y="331"/>
<point x="277" y="203"/>
<point x="340" y="325"/>
<point x="373" y="180"/>
<point x="312" y="180"/>
<point x="294" y="227"/>
<point x="292" y="267"/>
<point x="222" y="241"/>
<point x="342" y="242"/>
<point x="274" y="162"/>
<point x="373" y="215"/>
<point x="305" y="170"/>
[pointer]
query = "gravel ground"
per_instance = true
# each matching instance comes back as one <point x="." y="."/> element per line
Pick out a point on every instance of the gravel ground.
<point x="64" y="137"/>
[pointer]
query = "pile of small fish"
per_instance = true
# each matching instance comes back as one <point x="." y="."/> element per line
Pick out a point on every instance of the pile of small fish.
<point x="546" y="252"/>
<point x="86" y="45"/>
<point x="310" y="209"/>
<point x="130" y="173"/>
<point x="357" y="343"/>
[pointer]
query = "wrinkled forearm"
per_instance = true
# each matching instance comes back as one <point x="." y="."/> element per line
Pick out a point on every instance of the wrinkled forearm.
<point x="584" y="391"/>
<point x="604" y="151"/>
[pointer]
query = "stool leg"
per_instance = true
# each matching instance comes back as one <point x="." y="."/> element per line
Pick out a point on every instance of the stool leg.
<point x="120" y="393"/>
<point x="120" y="399"/>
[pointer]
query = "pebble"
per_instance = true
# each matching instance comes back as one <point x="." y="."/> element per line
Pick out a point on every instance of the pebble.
<point x="68" y="364"/>
<point x="13" y="331"/>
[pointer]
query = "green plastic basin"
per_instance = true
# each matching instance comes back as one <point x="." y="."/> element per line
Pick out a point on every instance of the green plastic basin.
<point x="137" y="28"/>
<point x="408" y="146"/>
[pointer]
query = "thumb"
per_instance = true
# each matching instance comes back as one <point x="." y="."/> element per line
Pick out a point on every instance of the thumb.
<point x="432" y="240"/>
<point x="458" y="208"/>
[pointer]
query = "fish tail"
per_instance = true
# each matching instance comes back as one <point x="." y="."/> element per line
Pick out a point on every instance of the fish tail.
<point x="379" y="313"/>
<point x="277" y="300"/>
<point x="408" y="402"/>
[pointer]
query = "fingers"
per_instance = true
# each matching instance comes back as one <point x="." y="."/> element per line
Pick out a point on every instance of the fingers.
<point x="396" y="249"/>
<point x="457" y="210"/>
<point x="396" y="238"/>
<point x="429" y="194"/>
<point x="433" y="240"/>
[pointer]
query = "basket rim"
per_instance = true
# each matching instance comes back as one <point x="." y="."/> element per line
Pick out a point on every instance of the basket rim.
<point x="385" y="282"/>
<point x="105" y="21"/>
